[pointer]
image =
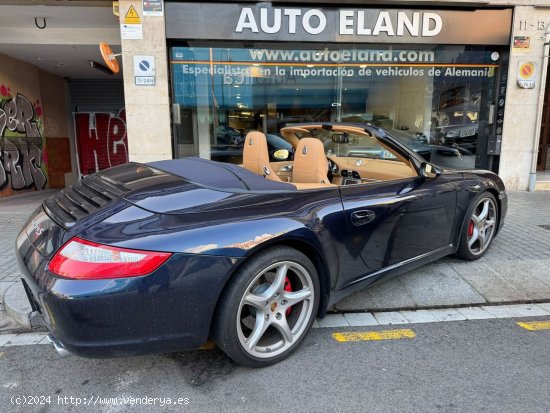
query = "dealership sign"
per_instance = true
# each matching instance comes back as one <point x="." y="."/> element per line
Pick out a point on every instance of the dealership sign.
<point x="266" y="22"/>
<point x="350" y="22"/>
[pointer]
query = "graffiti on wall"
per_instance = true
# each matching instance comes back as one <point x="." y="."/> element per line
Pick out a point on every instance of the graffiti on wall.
<point x="102" y="140"/>
<point x="21" y="143"/>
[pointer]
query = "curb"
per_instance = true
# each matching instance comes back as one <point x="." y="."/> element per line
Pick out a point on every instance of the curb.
<point x="19" y="310"/>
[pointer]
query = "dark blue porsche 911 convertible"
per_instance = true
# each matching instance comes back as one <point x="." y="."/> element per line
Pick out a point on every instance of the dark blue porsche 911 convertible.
<point x="161" y="257"/>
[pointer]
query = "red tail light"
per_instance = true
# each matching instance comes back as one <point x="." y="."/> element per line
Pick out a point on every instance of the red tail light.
<point x="86" y="260"/>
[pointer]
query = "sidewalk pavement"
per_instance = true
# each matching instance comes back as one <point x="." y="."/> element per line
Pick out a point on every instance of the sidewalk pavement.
<point x="15" y="311"/>
<point x="514" y="270"/>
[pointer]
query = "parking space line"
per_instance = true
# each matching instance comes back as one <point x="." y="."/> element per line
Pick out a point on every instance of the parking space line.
<point x="535" y="325"/>
<point x="342" y="337"/>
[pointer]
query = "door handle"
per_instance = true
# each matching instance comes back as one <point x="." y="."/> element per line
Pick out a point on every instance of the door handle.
<point x="362" y="217"/>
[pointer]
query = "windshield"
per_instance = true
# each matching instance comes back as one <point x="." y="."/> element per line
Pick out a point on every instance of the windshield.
<point x="349" y="144"/>
<point x="452" y="156"/>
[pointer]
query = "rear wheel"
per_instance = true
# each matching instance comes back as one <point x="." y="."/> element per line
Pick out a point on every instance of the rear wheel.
<point x="480" y="229"/>
<point x="267" y="308"/>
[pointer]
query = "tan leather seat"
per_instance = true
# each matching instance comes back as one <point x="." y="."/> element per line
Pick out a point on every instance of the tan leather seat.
<point x="310" y="162"/>
<point x="256" y="156"/>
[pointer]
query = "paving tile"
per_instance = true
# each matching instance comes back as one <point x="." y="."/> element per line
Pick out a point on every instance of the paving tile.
<point x="544" y="306"/>
<point x="361" y="319"/>
<point x="501" y="311"/>
<point x="4" y="285"/>
<point x="508" y="280"/>
<point x="432" y="285"/>
<point x="26" y="339"/>
<point x="315" y="324"/>
<point x="418" y="316"/>
<point x="474" y="313"/>
<point x="333" y="320"/>
<point x="4" y="338"/>
<point x="447" y="314"/>
<point x="390" y="317"/>
<point x="389" y="294"/>
<point x="529" y="310"/>
<point x="438" y="284"/>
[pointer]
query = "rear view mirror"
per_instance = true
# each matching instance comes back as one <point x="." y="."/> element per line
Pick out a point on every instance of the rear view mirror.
<point x="340" y="138"/>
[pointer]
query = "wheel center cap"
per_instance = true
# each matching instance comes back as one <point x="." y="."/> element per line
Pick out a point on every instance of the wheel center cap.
<point x="273" y="306"/>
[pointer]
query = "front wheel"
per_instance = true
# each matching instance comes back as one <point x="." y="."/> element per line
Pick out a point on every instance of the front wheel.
<point x="268" y="307"/>
<point x="479" y="231"/>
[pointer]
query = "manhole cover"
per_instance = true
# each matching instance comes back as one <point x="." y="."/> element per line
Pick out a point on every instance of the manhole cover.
<point x="546" y="226"/>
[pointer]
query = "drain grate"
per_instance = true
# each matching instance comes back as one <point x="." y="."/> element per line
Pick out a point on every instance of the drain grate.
<point x="546" y="226"/>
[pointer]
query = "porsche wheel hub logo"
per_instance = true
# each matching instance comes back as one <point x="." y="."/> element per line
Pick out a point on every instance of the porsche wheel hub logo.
<point x="273" y="306"/>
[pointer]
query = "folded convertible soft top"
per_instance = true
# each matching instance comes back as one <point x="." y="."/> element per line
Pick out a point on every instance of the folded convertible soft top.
<point x="218" y="175"/>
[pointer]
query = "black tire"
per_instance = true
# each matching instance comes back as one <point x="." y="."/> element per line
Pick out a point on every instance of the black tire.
<point x="472" y="227"/>
<point x="234" y="317"/>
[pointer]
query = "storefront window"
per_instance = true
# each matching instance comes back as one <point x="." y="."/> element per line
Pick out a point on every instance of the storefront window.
<point x="438" y="100"/>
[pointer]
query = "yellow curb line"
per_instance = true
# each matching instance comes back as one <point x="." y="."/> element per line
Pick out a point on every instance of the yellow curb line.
<point x="374" y="335"/>
<point x="535" y="325"/>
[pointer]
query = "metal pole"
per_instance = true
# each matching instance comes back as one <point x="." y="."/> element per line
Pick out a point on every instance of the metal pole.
<point x="536" y="138"/>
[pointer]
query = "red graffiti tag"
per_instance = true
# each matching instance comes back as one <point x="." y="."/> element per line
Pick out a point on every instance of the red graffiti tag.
<point x="102" y="140"/>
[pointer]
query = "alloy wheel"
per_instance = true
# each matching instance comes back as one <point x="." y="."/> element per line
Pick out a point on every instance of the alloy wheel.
<point x="482" y="225"/>
<point x="275" y="310"/>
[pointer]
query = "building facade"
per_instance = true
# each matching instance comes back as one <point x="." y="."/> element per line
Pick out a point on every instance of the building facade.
<point x="464" y="79"/>
<point x="449" y="76"/>
<point x="59" y="117"/>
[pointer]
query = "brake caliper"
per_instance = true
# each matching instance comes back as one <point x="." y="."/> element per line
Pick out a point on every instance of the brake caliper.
<point x="471" y="229"/>
<point x="288" y="287"/>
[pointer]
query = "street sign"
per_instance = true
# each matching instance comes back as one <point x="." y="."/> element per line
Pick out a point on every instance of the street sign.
<point x="131" y="28"/>
<point x="144" y="71"/>
<point x="526" y="75"/>
<point x="132" y="17"/>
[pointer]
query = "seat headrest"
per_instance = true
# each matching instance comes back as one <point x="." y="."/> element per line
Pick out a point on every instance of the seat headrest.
<point x="310" y="162"/>
<point x="256" y="155"/>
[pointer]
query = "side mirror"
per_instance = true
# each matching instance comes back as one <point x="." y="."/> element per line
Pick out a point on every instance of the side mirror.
<point x="281" y="154"/>
<point x="429" y="171"/>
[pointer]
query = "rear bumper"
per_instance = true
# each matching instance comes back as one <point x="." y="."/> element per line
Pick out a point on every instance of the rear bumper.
<point x="168" y="310"/>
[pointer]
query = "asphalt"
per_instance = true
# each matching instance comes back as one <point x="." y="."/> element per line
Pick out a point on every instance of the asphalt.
<point x="459" y="366"/>
<point x="514" y="270"/>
